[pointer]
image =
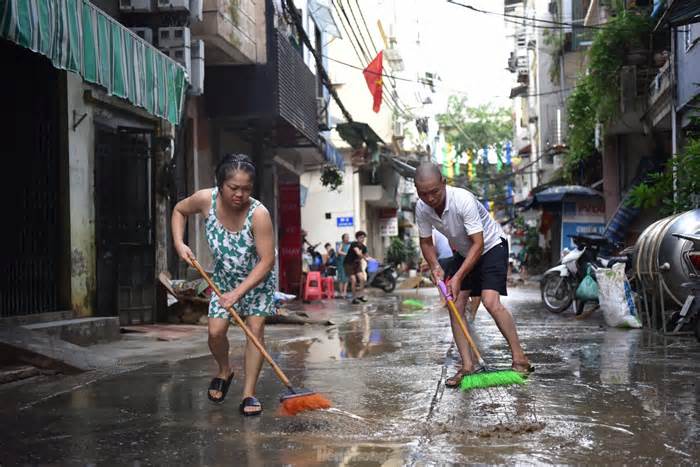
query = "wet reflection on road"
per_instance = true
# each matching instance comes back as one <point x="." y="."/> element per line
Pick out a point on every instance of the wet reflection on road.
<point x="598" y="395"/>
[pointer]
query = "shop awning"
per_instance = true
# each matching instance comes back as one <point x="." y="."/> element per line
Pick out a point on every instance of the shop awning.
<point x="77" y="36"/>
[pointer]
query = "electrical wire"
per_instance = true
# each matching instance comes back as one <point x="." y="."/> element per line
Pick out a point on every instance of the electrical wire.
<point x="367" y="53"/>
<point x="457" y="91"/>
<point x="525" y="18"/>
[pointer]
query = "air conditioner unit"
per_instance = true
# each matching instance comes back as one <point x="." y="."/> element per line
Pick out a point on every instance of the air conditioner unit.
<point x="144" y="33"/>
<point x="179" y="5"/>
<point x="182" y="56"/>
<point x="172" y="37"/>
<point x="197" y="63"/>
<point x="196" y="10"/>
<point x="136" y="6"/>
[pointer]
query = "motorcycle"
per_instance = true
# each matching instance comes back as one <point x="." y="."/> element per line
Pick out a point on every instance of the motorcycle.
<point x="688" y="318"/>
<point x="559" y="284"/>
<point x="315" y="258"/>
<point x="382" y="276"/>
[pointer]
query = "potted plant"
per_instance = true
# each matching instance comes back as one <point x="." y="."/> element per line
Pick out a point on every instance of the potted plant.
<point x="331" y="177"/>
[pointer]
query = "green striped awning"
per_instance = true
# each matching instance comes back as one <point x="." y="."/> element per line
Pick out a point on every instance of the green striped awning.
<point x="77" y="36"/>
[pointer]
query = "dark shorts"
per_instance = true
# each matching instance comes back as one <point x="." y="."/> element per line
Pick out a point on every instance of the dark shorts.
<point x="490" y="272"/>
<point x="352" y="268"/>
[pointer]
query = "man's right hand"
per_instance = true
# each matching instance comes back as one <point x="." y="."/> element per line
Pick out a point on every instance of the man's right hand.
<point x="184" y="252"/>
<point x="437" y="274"/>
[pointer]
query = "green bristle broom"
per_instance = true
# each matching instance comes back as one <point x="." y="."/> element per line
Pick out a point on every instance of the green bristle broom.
<point x="482" y="377"/>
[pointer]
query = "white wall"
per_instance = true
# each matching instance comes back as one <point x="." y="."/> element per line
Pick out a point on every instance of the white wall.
<point x="320" y="200"/>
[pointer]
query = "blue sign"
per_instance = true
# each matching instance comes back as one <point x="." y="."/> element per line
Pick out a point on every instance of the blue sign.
<point x="578" y="228"/>
<point x="344" y="221"/>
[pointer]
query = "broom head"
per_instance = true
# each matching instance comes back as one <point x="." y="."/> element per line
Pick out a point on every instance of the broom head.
<point x="301" y="400"/>
<point x="488" y="379"/>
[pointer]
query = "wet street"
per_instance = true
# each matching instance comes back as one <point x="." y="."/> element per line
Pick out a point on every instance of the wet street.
<point x="598" y="395"/>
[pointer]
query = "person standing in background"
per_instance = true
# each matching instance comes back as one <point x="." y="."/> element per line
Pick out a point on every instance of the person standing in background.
<point x="341" y="277"/>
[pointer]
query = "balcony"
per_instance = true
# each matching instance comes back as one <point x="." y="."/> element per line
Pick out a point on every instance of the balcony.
<point x="659" y="112"/>
<point x="279" y="95"/>
<point x="228" y="28"/>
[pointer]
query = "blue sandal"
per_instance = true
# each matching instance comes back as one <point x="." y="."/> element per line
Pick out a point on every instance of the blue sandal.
<point x="221" y="385"/>
<point x="250" y="402"/>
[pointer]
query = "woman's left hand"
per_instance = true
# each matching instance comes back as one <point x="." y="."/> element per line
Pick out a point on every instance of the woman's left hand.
<point x="229" y="298"/>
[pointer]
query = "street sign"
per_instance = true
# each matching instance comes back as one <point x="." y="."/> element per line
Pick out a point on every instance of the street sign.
<point x="344" y="221"/>
<point x="389" y="227"/>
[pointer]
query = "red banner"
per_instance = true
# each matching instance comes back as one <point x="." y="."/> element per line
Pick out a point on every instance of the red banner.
<point x="289" y="210"/>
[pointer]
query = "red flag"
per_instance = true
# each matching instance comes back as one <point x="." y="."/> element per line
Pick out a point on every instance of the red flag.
<point x="373" y="76"/>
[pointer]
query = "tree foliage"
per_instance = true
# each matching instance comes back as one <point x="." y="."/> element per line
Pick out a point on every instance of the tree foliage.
<point x="474" y="127"/>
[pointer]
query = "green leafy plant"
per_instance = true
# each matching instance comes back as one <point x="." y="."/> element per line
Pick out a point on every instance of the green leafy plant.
<point x="397" y="251"/>
<point x="596" y="96"/>
<point x="581" y="112"/>
<point x="555" y="42"/>
<point x="657" y="189"/>
<point x="331" y="177"/>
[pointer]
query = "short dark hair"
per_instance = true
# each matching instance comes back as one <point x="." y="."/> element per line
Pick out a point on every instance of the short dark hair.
<point x="428" y="170"/>
<point x="344" y="235"/>
<point x="359" y="234"/>
<point x="231" y="163"/>
<point x="326" y="245"/>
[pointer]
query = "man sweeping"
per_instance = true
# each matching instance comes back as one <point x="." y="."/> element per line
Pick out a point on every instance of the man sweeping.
<point x="479" y="265"/>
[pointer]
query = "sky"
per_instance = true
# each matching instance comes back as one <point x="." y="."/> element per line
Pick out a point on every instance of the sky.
<point x="468" y="50"/>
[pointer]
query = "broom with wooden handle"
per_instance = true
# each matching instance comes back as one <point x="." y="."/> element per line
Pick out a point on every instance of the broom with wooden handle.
<point x="483" y="377"/>
<point x="293" y="400"/>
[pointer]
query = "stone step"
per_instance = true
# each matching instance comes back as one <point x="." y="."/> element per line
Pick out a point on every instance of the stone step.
<point x="81" y="331"/>
<point x="45" y="351"/>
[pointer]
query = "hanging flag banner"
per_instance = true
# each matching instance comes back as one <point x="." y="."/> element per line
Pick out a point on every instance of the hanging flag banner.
<point x="499" y="157"/>
<point x="373" y="76"/>
<point x="470" y="166"/>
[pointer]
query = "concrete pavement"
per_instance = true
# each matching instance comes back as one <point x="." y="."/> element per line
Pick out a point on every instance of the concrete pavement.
<point x="598" y="395"/>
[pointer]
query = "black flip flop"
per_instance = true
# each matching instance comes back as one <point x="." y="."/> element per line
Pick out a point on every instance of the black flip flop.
<point x="525" y="372"/>
<point x="250" y="402"/>
<point x="221" y="385"/>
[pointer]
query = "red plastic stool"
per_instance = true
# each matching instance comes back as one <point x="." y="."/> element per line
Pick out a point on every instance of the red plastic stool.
<point x="312" y="288"/>
<point x="328" y="287"/>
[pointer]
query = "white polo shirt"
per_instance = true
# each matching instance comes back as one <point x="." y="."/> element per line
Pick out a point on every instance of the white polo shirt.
<point x="464" y="215"/>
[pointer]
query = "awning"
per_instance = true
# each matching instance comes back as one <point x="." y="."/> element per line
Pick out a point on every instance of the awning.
<point x="320" y="11"/>
<point x="678" y="12"/>
<point x="356" y="134"/>
<point x="518" y="91"/>
<point x="556" y="194"/>
<point x="77" y="36"/>
<point x="402" y="168"/>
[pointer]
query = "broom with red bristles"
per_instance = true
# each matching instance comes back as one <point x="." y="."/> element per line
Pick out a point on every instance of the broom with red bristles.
<point x="294" y="400"/>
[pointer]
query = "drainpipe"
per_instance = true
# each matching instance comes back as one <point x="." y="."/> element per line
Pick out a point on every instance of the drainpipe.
<point x="674" y="130"/>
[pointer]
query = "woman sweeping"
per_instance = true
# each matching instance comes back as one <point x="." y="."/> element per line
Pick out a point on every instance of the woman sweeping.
<point x="240" y="235"/>
<point x="340" y="274"/>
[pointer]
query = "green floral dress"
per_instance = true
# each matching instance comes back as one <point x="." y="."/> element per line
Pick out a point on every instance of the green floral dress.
<point x="235" y="257"/>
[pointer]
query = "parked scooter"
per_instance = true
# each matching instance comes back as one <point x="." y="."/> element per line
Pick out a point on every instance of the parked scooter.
<point x="381" y="276"/>
<point x="688" y="318"/>
<point x="316" y="259"/>
<point x="559" y="284"/>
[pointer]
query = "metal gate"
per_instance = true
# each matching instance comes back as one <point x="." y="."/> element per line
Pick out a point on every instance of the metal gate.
<point x="124" y="209"/>
<point x="30" y="238"/>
